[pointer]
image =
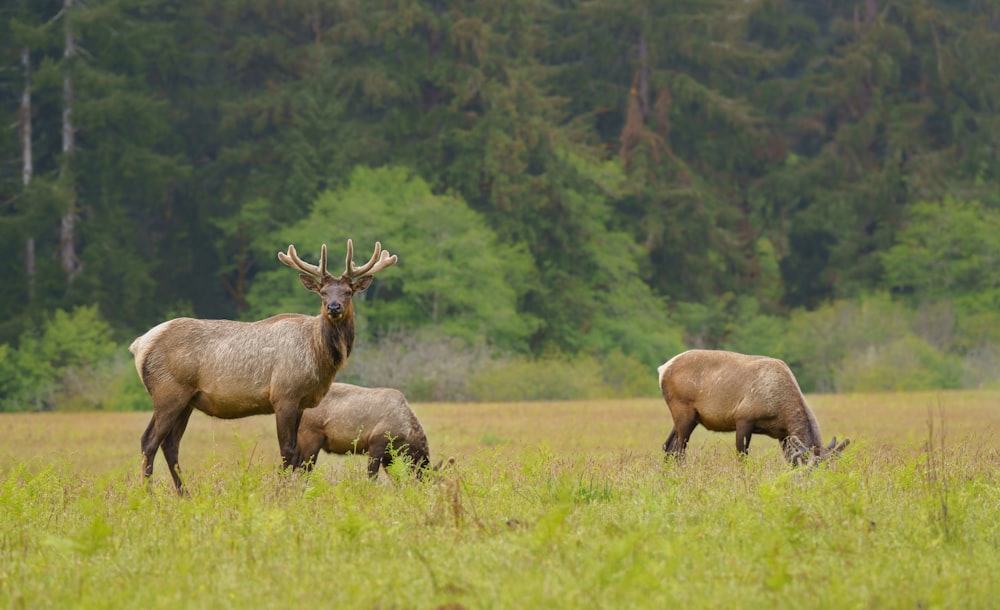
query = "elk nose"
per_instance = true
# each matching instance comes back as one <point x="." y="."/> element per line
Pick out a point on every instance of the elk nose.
<point x="334" y="309"/>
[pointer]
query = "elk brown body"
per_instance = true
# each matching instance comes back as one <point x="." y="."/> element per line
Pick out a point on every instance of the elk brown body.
<point x="354" y="420"/>
<point x="282" y="365"/>
<point x="726" y="392"/>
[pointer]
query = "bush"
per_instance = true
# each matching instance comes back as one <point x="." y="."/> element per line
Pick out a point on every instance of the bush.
<point x="561" y="378"/>
<point x="429" y="367"/>
<point x="71" y="363"/>
<point x="818" y="341"/>
<point x="423" y="365"/>
<point x="905" y="364"/>
<point x="549" y="378"/>
<point x="625" y="377"/>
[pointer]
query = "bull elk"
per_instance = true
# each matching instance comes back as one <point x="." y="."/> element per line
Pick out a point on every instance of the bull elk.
<point x="282" y="365"/>
<point x="725" y="392"/>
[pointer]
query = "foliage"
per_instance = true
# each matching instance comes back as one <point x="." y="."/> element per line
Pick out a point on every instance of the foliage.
<point x="448" y="259"/>
<point x="41" y="371"/>
<point x="947" y="248"/>
<point x="904" y="364"/>
<point x="556" y="377"/>
<point x="877" y="343"/>
<point x="424" y="365"/>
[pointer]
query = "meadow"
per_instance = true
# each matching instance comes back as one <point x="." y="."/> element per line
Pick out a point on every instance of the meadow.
<point x="547" y="505"/>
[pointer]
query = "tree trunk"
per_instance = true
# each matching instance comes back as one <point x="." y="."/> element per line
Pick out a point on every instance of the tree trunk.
<point x="27" y="165"/>
<point x="643" y="73"/>
<point x="67" y="226"/>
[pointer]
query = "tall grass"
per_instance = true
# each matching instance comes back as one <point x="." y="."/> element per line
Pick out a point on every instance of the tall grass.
<point x="556" y="505"/>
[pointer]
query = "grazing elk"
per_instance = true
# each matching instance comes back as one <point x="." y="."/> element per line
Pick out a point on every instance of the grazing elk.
<point x="282" y="365"/>
<point x="376" y="421"/>
<point x="726" y="392"/>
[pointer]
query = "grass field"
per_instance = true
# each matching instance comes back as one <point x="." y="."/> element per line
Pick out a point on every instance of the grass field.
<point x="548" y="505"/>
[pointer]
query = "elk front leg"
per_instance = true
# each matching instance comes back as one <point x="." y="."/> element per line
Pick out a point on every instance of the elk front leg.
<point x="288" y="418"/>
<point x="378" y="455"/>
<point x="310" y="444"/>
<point x="744" y="429"/>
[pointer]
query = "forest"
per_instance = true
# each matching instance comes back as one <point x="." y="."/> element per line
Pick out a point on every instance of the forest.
<point x="576" y="190"/>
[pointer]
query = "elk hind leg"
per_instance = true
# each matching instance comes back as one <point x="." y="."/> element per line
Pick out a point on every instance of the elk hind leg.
<point x="685" y="422"/>
<point x="171" y="446"/>
<point x="165" y="414"/>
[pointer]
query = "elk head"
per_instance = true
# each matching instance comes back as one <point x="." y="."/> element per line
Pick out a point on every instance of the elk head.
<point x="800" y="454"/>
<point x="337" y="292"/>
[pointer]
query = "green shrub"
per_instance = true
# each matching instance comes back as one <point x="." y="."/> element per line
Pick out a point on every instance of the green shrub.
<point x="422" y="364"/>
<point x="625" y="377"/>
<point x="550" y="378"/>
<point x="905" y="364"/>
<point x="754" y="333"/>
<point x="818" y="341"/>
<point x="72" y="362"/>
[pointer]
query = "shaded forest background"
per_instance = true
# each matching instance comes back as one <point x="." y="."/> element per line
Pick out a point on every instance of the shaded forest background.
<point x="577" y="191"/>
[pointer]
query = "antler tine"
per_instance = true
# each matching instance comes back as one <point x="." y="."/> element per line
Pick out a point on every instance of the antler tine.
<point x="350" y="269"/>
<point x="350" y="257"/>
<point x="379" y="260"/>
<point x="292" y="260"/>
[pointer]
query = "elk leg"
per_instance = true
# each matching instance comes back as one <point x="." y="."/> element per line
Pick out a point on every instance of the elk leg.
<point x="288" y="419"/>
<point x="684" y="425"/>
<point x="671" y="440"/>
<point x="744" y="429"/>
<point x="159" y="427"/>
<point x="309" y="447"/>
<point x="171" y="446"/>
<point x="378" y="455"/>
<point x="148" y="449"/>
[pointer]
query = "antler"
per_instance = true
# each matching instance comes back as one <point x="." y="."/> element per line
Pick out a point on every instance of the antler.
<point x="379" y="261"/>
<point x="796" y="451"/>
<point x="292" y="260"/>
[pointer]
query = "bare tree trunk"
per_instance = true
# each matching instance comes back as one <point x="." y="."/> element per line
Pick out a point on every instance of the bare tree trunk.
<point x="643" y="72"/>
<point x="67" y="226"/>
<point x="27" y="165"/>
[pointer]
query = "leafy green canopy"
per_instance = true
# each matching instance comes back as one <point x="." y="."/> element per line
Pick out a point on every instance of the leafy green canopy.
<point x="456" y="277"/>
<point x="948" y="247"/>
<point x="453" y="274"/>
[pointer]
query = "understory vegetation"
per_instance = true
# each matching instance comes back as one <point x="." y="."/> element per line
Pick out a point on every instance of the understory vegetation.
<point x="74" y="363"/>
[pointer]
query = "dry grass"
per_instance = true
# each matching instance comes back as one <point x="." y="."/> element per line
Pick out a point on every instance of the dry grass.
<point x="555" y="505"/>
<point x="101" y="442"/>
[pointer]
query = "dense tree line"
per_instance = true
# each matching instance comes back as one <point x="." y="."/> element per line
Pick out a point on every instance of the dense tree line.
<point x="562" y="180"/>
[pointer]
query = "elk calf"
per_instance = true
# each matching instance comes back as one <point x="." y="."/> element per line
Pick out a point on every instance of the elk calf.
<point x="282" y="365"/>
<point x="725" y="392"/>
<point x="352" y="419"/>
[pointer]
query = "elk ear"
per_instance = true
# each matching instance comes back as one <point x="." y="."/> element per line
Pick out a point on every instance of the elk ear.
<point x="362" y="283"/>
<point x="832" y="444"/>
<point x="310" y="282"/>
